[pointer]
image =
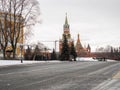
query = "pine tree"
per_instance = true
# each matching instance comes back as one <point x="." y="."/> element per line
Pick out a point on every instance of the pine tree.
<point x="53" y="55"/>
<point x="28" y="54"/>
<point x="36" y="53"/>
<point x="65" y="49"/>
<point x="73" y="51"/>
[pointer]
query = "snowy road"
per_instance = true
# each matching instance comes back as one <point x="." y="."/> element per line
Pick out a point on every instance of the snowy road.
<point x="59" y="76"/>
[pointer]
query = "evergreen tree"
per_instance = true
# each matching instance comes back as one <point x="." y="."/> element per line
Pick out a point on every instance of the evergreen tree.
<point x="28" y="54"/>
<point x="65" y="49"/>
<point x="36" y="53"/>
<point x="73" y="51"/>
<point x="53" y="55"/>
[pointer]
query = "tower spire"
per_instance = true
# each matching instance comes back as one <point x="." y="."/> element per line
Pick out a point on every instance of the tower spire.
<point x="66" y="25"/>
<point x="78" y="44"/>
<point x="66" y="20"/>
<point x="78" y="40"/>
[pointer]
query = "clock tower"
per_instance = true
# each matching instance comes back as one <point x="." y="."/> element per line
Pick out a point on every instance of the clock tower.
<point x="66" y="32"/>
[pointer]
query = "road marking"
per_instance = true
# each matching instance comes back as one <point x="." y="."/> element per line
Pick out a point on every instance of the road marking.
<point x="116" y="76"/>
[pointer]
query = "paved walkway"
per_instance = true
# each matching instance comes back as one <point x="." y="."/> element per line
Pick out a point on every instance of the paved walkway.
<point x="117" y="76"/>
<point x="111" y="84"/>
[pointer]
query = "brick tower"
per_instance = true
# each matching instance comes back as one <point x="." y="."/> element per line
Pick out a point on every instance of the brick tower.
<point x="66" y="31"/>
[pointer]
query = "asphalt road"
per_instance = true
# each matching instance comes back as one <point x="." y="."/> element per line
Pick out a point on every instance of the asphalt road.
<point x="60" y="76"/>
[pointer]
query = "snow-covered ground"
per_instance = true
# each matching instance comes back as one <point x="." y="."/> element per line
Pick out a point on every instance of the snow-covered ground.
<point x="91" y="59"/>
<point x="85" y="59"/>
<point x="18" y="62"/>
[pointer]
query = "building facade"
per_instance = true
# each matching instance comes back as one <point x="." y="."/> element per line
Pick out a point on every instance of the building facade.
<point x="82" y="51"/>
<point x="7" y="23"/>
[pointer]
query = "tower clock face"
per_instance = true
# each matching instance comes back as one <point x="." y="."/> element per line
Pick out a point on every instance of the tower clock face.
<point x="66" y="31"/>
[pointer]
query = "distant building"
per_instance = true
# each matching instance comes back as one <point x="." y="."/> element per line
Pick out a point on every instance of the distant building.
<point x="9" y="24"/>
<point x="80" y="50"/>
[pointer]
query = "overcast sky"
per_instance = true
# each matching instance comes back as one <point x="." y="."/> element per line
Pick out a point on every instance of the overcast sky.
<point x="97" y="21"/>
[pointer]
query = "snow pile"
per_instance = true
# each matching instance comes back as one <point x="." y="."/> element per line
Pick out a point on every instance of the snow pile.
<point x="91" y="59"/>
<point x="109" y="60"/>
<point x="85" y="59"/>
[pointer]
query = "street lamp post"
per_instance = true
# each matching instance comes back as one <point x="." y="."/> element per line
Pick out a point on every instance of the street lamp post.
<point x="21" y="48"/>
<point x="45" y="53"/>
<point x="55" y="44"/>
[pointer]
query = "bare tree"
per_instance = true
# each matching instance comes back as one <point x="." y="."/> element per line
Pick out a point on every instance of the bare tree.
<point x="21" y="14"/>
<point x="3" y="33"/>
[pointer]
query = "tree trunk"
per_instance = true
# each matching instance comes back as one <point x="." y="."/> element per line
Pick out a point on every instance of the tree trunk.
<point x="14" y="53"/>
<point x="4" y="54"/>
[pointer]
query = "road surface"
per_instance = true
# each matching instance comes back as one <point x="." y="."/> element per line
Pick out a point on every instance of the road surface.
<point x="61" y="76"/>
